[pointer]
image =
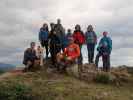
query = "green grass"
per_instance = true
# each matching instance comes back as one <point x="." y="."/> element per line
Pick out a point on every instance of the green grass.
<point x="42" y="86"/>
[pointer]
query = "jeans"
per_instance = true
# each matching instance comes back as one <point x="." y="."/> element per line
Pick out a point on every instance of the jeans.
<point x="91" y="49"/>
<point x="80" y="58"/>
<point x="105" y="59"/>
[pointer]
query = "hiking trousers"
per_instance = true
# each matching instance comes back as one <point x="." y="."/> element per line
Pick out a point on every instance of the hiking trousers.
<point x="106" y="61"/>
<point x="91" y="49"/>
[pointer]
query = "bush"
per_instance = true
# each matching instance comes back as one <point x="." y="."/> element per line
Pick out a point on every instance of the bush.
<point x="15" y="92"/>
<point x="102" y="78"/>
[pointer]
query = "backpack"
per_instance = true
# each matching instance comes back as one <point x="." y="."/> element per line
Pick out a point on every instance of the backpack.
<point x="90" y="37"/>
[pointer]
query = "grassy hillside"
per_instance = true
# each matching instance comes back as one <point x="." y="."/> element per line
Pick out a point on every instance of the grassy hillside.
<point x="52" y="86"/>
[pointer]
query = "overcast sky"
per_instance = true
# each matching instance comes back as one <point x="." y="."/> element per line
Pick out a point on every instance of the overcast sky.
<point x="20" y="21"/>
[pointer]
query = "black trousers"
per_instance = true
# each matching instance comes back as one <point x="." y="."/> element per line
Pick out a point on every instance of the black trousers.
<point x="45" y="44"/>
<point x="106" y="61"/>
<point x="54" y="50"/>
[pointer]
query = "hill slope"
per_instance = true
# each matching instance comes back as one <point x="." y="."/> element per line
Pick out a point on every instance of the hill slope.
<point x="52" y="86"/>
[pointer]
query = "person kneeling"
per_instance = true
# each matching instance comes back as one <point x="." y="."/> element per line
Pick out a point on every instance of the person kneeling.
<point x="69" y="56"/>
<point x="30" y="58"/>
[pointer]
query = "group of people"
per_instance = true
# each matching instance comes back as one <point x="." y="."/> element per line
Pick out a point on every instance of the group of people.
<point x="65" y="47"/>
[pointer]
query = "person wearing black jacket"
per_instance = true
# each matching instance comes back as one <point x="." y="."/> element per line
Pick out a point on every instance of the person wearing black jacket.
<point x="55" y="46"/>
<point x="30" y="57"/>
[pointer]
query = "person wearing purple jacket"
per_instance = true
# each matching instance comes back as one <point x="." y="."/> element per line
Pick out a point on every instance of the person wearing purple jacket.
<point x="91" y="41"/>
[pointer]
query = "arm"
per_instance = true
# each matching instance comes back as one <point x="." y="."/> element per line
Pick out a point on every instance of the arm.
<point x="110" y="44"/>
<point x="40" y="35"/>
<point x="95" y="36"/>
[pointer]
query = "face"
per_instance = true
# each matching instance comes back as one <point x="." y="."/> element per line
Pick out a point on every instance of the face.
<point x="52" y="26"/>
<point x="45" y="25"/>
<point x="105" y="34"/>
<point x="33" y="45"/>
<point x="71" y="41"/>
<point x="58" y="21"/>
<point x="69" y="31"/>
<point x="54" y="33"/>
<point x="77" y="28"/>
<point x="90" y="28"/>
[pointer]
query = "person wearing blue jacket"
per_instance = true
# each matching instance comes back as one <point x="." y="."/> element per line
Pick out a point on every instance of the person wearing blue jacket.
<point x="68" y="36"/>
<point x="104" y="49"/>
<point x="91" y="41"/>
<point x="43" y="38"/>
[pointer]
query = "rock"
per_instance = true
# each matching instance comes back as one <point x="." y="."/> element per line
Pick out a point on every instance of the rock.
<point x="73" y="70"/>
<point x="88" y="67"/>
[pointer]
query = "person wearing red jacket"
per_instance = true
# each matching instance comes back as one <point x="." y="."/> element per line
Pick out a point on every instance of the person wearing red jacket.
<point x="71" y="53"/>
<point x="79" y="39"/>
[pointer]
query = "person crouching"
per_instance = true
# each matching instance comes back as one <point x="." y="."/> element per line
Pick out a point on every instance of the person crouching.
<point x="69" y="56"/>
<point x="30" y="58"/>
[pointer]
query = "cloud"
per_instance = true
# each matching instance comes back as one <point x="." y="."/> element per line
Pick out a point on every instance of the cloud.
<point x="20" y="22"/>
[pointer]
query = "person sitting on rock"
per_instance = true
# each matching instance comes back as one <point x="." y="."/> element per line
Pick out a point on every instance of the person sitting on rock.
<point x="69" y="56"/>
<point x="30" y="58"/>
<point x="104" y="50"/>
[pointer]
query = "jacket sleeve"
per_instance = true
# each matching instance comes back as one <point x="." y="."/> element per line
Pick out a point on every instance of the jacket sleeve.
<point x="40" y="35"/>
<point x="83" y="37"/>
<point x="86" y="36"/>
<point x="99" y="45"/>
<point x="110" y="44"/>
<point x="26" y="56"/>
<point x="78" y="51"/>
<point x="95" y="36"/>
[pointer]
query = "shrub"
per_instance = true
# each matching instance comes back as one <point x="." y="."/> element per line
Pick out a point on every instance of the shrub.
<point x="102" y="78"/>
<point x="15" y="92"/>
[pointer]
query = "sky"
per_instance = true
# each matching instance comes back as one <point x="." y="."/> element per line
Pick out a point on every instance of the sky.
<point x="21" y="20"/>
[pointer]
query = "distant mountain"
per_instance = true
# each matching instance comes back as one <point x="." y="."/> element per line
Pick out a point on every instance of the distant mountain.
<point x="6" y="67"/>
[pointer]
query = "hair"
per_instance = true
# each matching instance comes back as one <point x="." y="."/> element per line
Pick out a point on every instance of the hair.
<point x="32" y="43"/>
<point x="78" y="26"/>
<point x="46" y="27"/>
<point x="90" y="28"/>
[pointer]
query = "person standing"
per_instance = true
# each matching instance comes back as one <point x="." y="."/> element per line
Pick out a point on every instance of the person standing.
<point x="68" y="35"/>
<point x="79" y="39"/>
<point x="43" y="38"/>
<point x="60" y="31"/>
<point x="104" y="49"/>
<point x="55" y="46"/>
<point x="91" y="41"/>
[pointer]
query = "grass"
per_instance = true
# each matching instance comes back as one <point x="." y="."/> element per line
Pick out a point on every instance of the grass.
<point x="42" y="86"/>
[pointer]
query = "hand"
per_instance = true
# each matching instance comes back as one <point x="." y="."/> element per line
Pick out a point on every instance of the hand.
<point x="69" y="59"/>
<point x="29" y="63"/>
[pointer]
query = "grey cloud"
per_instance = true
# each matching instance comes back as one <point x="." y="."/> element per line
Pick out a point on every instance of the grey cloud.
<point x="20" y="22"/>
